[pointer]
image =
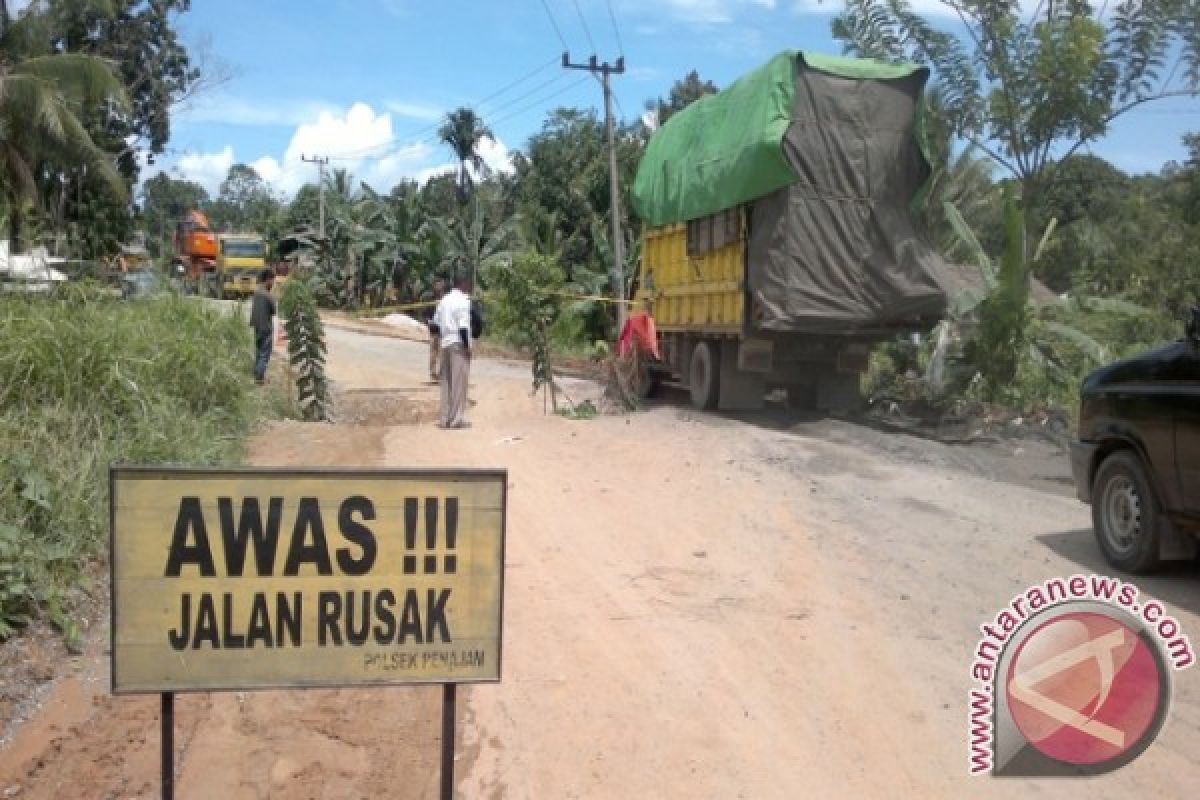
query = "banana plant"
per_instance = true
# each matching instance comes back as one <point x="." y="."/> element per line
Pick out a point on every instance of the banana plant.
<point x="1043" y="335"/>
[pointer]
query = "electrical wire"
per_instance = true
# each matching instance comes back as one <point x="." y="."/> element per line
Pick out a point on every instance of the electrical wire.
<point x="586" y="30"/>
<point x="506" y="112"/>
<point x="539" y="101"/>
<point x="616" y="30"/>
<point x="554" y="24"/>
<point x="366" y="152"/>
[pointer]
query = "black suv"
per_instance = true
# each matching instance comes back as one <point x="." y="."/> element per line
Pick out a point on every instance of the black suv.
<point x="1137" y="459"/>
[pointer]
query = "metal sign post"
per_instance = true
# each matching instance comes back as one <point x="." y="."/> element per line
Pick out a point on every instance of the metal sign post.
<point x="448" y="700"/>
<point x="167" y="723"/>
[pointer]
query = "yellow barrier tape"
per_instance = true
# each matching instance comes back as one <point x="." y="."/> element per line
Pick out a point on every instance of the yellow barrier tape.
<point x="372" y="312"/>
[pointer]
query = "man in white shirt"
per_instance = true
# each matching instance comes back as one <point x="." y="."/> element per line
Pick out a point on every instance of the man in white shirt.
<point x="453" y="320"/>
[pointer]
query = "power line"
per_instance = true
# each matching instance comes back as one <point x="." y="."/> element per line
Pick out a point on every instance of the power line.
<point x="558" y="77"/>
<point x="616" y="31"/>
<point x="554" y="23"/>
<point x="586" y="30"/>
<point x="507" y="112"/>
<point x="538" y="102"/>
<point x="421" y="132"/>
<point x="519" y="81"/>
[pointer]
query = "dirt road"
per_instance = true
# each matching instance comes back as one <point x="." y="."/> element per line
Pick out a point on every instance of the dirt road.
<point x="697" y="607"/>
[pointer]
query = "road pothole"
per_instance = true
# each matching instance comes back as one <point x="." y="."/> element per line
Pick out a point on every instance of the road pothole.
<point x="386" y="407"/>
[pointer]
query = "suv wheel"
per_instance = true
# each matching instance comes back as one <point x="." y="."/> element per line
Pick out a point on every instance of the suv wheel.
<point x="1125" y="513"/>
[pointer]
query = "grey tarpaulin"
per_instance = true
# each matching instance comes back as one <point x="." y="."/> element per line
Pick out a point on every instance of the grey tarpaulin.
<point x="837" y="251"/>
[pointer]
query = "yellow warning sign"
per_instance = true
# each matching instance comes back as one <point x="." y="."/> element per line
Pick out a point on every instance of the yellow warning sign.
<point x="254" y="579"/>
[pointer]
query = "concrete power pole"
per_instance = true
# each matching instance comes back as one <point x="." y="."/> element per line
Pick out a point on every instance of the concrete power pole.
<point x="320" y="162"/>
<point x="605" y="70"/>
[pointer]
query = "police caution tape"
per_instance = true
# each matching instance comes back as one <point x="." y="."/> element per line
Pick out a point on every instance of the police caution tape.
<point x="273" y="579"/>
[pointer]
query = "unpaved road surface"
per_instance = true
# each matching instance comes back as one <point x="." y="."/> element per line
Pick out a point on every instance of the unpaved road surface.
<point x="697" y="606"/>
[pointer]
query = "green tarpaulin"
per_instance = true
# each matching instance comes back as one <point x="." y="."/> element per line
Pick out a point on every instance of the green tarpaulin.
<point x="727" y="149"/>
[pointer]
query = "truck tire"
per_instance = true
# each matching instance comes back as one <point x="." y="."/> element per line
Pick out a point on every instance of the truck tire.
<point x="704" y="375"/>
<point x="648" y="382"/>
<point x="1125" y="513"/>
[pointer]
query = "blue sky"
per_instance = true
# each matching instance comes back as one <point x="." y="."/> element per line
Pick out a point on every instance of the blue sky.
<point x="365" y="81"/>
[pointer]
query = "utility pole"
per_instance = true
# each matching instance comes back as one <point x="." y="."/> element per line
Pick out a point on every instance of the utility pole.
<point x="614" y="190"/>
<point x="320" y="162"/>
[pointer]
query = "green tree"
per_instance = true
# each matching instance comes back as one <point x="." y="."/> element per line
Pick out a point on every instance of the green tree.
<point x="1089" y="200"/>
<point x="44" y="97"/>
<point x="1022" y="87"/>
<point x="245" y="202"/>
<point x="563" y="193"/>
<point x="140" y="39"/>
<point x="530" y="289"/>
<point x="1189" y="199"/>
<point x="304" y="210"/>
<point x="463" y="131"/>
<point x="164" y="202"/>
<point x="683" y="93"/>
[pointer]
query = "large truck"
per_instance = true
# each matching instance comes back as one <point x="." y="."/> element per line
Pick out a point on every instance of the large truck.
<point x="217" y="264"/>
<point x="240" y="259"/>
<point x="196" y="254"/>
<point x="778" y="244"/>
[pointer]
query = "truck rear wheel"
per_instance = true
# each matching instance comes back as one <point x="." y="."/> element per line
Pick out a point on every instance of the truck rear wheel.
<point x="648" y="381"/>
<point x="704" y="376"/>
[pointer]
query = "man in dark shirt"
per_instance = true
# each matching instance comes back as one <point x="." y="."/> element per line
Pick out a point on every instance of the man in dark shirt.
<point x="262" y="321"/>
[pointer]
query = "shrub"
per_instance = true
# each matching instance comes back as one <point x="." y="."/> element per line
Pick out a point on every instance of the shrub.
<point x="306" y="348"/>
<point x="87" y="381"/>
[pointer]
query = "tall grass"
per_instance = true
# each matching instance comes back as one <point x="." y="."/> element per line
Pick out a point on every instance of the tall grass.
<point x="87" y="381"/>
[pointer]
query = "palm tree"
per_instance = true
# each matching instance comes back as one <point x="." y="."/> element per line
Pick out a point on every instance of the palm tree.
<point x="462" y="131"/>
<point x="340" y="183"/>
<point x="476" y="239"/>
<point x="43" y="97"/>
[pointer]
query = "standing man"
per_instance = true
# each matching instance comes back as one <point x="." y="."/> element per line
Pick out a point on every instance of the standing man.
<point x="435" y="337"/>
<point x="262" y="321"/>
<point x="453" y="320"/>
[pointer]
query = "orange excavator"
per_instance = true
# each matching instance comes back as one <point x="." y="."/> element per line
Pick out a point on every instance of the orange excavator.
<point x="196" y="254"/>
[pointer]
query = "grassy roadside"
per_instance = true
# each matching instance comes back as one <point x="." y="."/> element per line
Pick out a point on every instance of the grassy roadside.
<point x="87" y="381"/>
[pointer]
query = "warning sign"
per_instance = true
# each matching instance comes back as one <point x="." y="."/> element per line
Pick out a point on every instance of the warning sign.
<point x="254" y="579"/>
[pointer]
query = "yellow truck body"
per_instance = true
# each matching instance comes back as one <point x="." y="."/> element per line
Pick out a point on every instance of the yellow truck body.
<point x="240" y="259"/>
<point x="692" y="293"/>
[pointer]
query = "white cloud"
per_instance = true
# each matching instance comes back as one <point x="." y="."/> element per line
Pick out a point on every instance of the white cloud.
<point x="496" y="155"/>
<point x="207" y="169"/>
<point x="358" y="139"/>
<point x="714" y="12"/>
<point x="229" y="110"/>
<point x="414" y="110"/>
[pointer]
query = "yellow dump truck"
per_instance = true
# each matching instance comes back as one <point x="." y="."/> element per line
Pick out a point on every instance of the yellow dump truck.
<point x="778" y="244"/>
<point x="240" y="259"/>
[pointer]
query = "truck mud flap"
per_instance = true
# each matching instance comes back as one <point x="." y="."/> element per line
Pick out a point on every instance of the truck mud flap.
<point x="739" y="390"/>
